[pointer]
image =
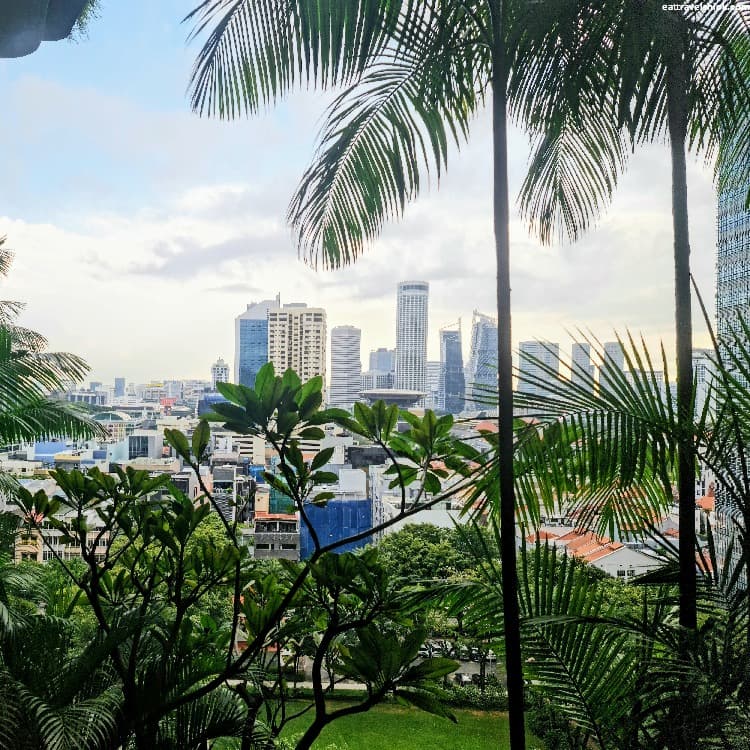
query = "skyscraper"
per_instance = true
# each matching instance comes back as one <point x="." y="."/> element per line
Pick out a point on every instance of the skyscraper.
<point x="539" y="361"/>
<point x="732" y="304"/>
<point x="297" y="339"/>
<point x="411" y="335"/>
<point x="613" y="360"/>
<point x="732" y="261"/>
<point x="219" y="373"/>
<point x="582" y="372"/>
<point x="481" y="371"/>
<point x="119" y="387"/>
<point x="251" y="340"/>
<point x="383" y="360"/>
<point x="433" y="400"/>
<point x="346" y="367"/>
<point x="452" y="381"/>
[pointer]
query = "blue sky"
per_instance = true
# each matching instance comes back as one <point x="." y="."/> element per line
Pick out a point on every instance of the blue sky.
<point x="141" y="230"/>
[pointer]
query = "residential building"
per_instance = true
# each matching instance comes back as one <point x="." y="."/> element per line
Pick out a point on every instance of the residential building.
<point x="219" y="373"/>
<point x="452" y="381"/>
<point x="346" y="367"/>
<point x="297" y="339"/>
<point x="539" y="366"/>
<point x="251" y="340"/>
<point x="411" y="335"/>
<point x="276" y="536"/>
<point x="481" y="370"/>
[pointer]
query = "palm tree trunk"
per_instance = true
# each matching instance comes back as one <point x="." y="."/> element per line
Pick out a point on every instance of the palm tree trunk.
<point x="677" y="118"/>
<point x="501" y="218"/>
<point x="677" y="107"/>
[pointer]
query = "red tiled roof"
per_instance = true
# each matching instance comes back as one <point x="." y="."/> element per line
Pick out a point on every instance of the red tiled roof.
<point x="707" y="503"/>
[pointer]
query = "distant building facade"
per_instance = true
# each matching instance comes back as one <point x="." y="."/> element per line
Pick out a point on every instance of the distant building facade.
<point x="346" y="367"/>
<point x="539" y="366"/>
<point x="219" y="373"/>
<point x="481" y="370"/>
<point x="297" y="340"/>
<point x="411" y="335"/>
<point x="251" y="341"/>
<point x="452" y="381"/>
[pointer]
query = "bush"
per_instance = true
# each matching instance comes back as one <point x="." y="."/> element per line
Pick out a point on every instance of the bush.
<point x="494" y="697"/>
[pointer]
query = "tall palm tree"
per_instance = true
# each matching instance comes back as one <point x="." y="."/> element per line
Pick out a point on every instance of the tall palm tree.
<point x="683" y="74"/>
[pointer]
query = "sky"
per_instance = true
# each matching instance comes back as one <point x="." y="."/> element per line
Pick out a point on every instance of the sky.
<point x="141" y="230"/>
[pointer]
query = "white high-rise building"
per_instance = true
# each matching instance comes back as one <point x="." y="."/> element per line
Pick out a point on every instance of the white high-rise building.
<point x="411" y="335"/>
<point x="434" y="399"/>
<point x="219" y="373"/>
<point x="540" y="361"/>
<point x="582" y="372"/>
<point x="297" y="340"/>
<point x="346" y="367"/>
<point x="614" y="359"/>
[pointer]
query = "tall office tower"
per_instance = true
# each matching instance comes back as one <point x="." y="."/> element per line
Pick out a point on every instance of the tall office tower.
<point x="614" y="359"/>
<point x="433" y="400"/>
<point x="119" y="387"/>
<point x="297" y="339"/>
<point x="251" y="340"/>
<point x="481" y="371"/>
<point x="582" y="372"/>
<point x="219" y="373"/>
<point x="539" y="360"/>
<point x="703" y="374"/>
<point x="346" y="367"/>
<point x="411" y="335"/>
<point x="732" y="305"/>
<point x="383" y="360"/>
<point x="452" y="381"/>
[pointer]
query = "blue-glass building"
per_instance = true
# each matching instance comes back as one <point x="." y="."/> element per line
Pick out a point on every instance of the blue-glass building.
<point x="452" y="381"/>
<point x="337" y="520"/>
<point x="251" y="341"/>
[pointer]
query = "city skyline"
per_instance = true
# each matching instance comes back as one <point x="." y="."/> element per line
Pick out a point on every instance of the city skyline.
<point x="155" y="217"/>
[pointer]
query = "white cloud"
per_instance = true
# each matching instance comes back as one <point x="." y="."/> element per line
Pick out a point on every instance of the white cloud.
<point x="169" y="225"/>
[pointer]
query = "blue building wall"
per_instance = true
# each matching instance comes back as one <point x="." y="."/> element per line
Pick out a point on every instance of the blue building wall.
<point x="253" y="352"/>
<point x="339" y="519"/>
<point x="206" y="403"/>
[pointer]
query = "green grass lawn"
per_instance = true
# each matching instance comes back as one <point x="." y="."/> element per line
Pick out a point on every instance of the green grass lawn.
<point x="393" y="727"/>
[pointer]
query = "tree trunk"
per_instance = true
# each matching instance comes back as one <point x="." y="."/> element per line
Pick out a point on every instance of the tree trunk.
<point x="677" y="108"/>
<point x="501" y="218"/>
<point x="677" y="114"/>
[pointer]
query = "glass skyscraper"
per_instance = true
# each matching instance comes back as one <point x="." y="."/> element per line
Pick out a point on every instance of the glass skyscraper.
<point x="481" y="372"/>
<point x="251" y="341"/>
<point x="732" y="304"/>
<point x="452" y="381"/>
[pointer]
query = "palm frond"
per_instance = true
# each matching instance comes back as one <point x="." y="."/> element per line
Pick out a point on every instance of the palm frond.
<point x="40" y="419"/>
<point x="256" y="50"/>
<point x="382" y="134"/>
